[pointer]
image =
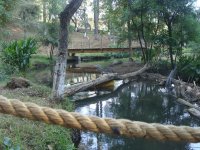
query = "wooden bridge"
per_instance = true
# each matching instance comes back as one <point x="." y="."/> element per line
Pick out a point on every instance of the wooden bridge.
<point x="101" y="50"/>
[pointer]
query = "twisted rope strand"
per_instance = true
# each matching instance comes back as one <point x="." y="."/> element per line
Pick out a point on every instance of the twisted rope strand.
<point x="99" y="125"/>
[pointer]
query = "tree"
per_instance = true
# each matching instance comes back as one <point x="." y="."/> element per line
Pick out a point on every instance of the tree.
<point x="28" y="12"/>
<point x="54" y="8"/>
<point x="96" y="18"/>
<point x="6" y="7"/>
<point x="6" y="14"/>
<point x="135" y="20"/>
<point x="170" y="11"/>
<point x="61" y="62"/>
<point x="44" y="10"/>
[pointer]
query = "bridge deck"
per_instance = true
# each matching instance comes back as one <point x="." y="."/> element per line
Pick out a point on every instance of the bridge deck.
<point x="101" y="50"/>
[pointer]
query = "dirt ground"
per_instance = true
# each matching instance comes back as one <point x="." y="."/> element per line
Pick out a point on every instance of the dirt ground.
<point x="125" y="67"/>
<point x="117" y="67"/>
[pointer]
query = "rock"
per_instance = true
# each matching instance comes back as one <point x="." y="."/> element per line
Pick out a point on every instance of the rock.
<point x="18" y="82"/>
<point x="162" y="83"/>
<point x="76" y="137"/>
<point x="198" y="95"/>
<point x="189" y="89"/>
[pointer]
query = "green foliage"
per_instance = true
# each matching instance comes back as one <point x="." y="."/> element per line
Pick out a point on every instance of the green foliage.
<point x="55" y="7"/>
<point x="6" y="7"/>
<point x="50" y="32"/>
<point x="58" y="138"/>
<point x="117" y="55"/>
<point x="161" y="66"/>
<point x="28" y="13"/>
<point x="189" y="68"/>
<point x="193" y="49"/>
<point x="158" y="25"/>
<point x="6" y="15"/>
<point x="33" y="135"/>
<point x="18" y="53"/>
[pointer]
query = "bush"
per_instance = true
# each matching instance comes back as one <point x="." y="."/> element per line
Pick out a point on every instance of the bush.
<point x="161" y="66"/>
<point x="18" y="53"/>
<point x="189" y="68"/>
<point x="117" y="55"/>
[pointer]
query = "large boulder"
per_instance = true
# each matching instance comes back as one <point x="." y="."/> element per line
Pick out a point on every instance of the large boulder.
<point x="18" y="82"/>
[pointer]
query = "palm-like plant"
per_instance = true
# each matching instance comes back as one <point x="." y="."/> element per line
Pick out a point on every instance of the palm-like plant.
<point x="18" y="53"/>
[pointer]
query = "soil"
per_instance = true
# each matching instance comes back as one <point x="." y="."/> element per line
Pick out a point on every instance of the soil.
<point x="18" y="83"/>
<point x="125" y="67"/>
<point x="118" y="67"/>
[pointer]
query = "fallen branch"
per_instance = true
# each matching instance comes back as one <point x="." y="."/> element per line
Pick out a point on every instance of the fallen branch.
<point x="104" y="78"/>
<point x="189" y="91"/>
<point x="184" y="102"/>
<point x="86" y="85"/>
<point x="132" y="74"/>
<point x="194" y="112"/>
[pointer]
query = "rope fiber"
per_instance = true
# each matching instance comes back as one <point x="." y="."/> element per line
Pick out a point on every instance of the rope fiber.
<point x="118" y="127"/>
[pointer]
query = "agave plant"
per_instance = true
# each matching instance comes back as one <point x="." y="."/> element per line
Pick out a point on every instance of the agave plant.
<point x="18" y="53"/>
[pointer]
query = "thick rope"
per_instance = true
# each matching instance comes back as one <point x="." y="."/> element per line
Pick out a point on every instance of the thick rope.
<point x="95" y="124"/>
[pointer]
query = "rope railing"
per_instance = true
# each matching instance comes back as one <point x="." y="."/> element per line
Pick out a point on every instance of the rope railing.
<point x="123" y="127"/>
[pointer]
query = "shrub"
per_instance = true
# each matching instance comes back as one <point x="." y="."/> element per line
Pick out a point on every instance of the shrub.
<point x="161" y="66"/>
<point x="18" y="53"/>
<point x="117" y="55"/>
<point x="189" y="68"/>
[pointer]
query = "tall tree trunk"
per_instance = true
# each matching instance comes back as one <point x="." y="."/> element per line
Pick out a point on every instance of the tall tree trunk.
<point x="169" y="25"/>
<point x="143" y="35"/>
<point x="85" y="22"/>
<point x="74" y="20"/>
<point x="44" y="11"/>
<point x="61" y="62"/>
<point x="96" y="18"/>
<point x="129" y="38"/>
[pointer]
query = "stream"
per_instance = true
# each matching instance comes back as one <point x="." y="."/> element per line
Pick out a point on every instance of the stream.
<point x="140" y="101"/>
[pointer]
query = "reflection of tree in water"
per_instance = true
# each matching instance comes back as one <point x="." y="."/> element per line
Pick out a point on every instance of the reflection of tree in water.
<point x="141" y="102"/>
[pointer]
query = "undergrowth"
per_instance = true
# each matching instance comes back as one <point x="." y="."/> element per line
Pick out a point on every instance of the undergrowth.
<point x="33" y="135"/>
<point x="23" y="134"/>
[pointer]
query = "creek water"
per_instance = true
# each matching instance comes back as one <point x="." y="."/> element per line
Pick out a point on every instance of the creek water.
<point x="140" y="101"/>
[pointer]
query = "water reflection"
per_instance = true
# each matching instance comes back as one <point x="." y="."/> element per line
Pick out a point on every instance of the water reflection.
<point x="142" y="102"/>
<point x="76" y="78"/>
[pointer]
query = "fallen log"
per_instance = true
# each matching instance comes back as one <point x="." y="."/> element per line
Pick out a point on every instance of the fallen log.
<point x="193" y="109"/>
<point x="85" y="85"/>
<point x="186" y="103"/>
<point x="189" y="91"/>
<point x="194" y="112"/>
<point x="102" y="79"/>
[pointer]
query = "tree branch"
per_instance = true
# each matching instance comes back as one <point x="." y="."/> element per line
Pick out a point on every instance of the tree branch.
<point x="71" y="8"/>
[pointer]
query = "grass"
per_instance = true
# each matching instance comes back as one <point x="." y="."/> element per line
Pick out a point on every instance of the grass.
<point x="33" y="135"/>
<point x="39" y="59"/>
